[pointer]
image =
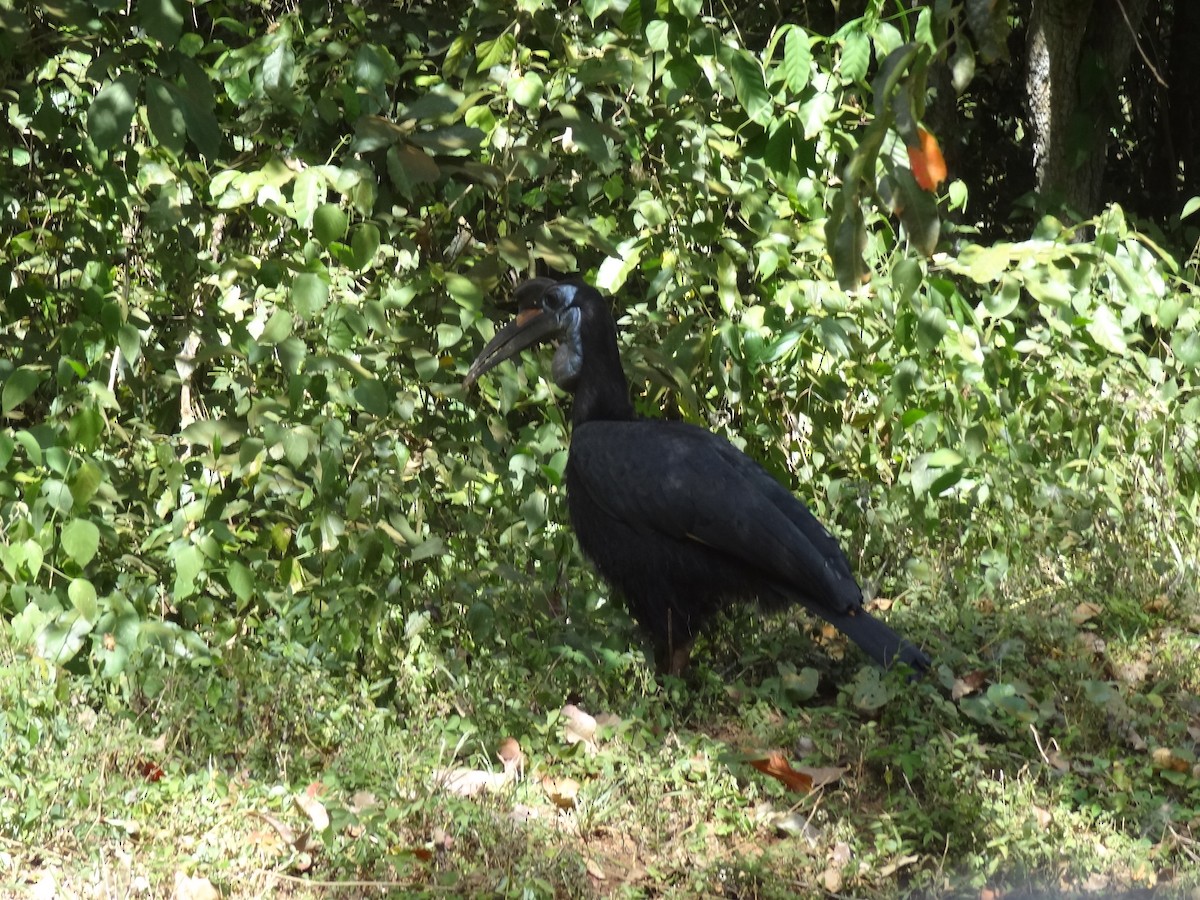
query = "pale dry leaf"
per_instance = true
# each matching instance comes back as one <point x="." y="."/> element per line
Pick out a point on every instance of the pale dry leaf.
<point x="840" y="854"/>
<point x="1092" y="641"/>
<point x="1043" y="817"/>
<point x="593" y="869"/>
<point x="893" y="867"/>
<point x="285" y="831"/>
<point x="880" y="604"/>
<point x="522" y="813"/>
<point x="361" y="801"/>
<point x="608" y="720"/>
<point x="469" y="782"/>
<point x="189" y="887"/>
<point x="822" y="776"/>
<point x="831" y="880"/>
<point x="579" y="727"/>
<point x="1085" y="611"/>
<point x="313" y="808"/>
<point x="563" y="792"/>
<point x="1095" y="883"/>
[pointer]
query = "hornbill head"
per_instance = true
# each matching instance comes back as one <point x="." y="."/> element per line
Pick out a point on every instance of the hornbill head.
<point x="546" y="310"/>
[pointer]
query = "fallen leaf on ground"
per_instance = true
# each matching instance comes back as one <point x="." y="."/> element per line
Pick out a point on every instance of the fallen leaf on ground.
<point x="469" y="782"/>
<point x="593" y="869"/>
<point x="968" y="684"/>
<point x="1085" y="611"/>
<point x="821" y="776"/>
<point x="308" y="804"/>
<point x="1164" y="758"/>
<point x="777" y="766"/>
<point x="194" y="888"/>
<point x="563" y="792"/>
<point x="579" y="727"/>
<point x="892" y="868"/>
<point x="363" y="800"/>
<point x="831" y="880"/>
<point x="512" y="756"/>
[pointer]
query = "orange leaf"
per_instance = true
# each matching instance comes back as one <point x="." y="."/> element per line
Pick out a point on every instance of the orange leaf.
<point x="926" y="161"/>
<point x="777" y="766"/>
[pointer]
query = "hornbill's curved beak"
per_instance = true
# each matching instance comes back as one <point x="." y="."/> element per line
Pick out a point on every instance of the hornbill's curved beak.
<point x="532" y="324"/>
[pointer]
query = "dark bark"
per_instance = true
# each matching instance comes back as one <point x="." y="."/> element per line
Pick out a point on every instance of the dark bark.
<point x="1077" y="54"/>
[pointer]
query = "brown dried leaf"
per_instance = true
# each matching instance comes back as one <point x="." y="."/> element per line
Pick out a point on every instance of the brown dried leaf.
<point x="593" y="869"/>
<point x="1085" y="611"/>
<point x="563" y="792"/>
<point x="1164" y="758"/>
<point x="512" y="756"/>
<point x="968" y="684"/>
<point x="777" y="766"/>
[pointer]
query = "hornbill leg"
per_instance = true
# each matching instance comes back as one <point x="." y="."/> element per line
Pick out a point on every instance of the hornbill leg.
<point x="674" y="656"/>
<point x="678" y="658"/>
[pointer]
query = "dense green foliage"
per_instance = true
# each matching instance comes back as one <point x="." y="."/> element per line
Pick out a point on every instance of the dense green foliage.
<point x="248" y="254"/>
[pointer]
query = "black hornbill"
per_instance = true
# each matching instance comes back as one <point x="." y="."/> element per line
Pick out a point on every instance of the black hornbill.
<point x="676" y="518"/>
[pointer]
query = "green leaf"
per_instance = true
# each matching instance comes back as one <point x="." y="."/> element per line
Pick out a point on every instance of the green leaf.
<point x="7" y="446"/>
<point x="111" y="113"/>
<point x="310" y="293"/>
<point x="241" y="581"/>
<point x="1186" y="348"/>
<point x="527" y="90"/>
<point x="750" y="88"/>
<point x="373" y="397"/>
<point x="85" y="483"/>
<point x="797" y="59"/>
<point x="494" y="52"/>
<point x="58" y="495"/>
<point x="308" y="192"/>
<point x="279" y="72"/>
<point x="918" y="212"/>
<point x="202" y="125"/>
<point x="1107" y="331"/>
<point x="278" y="327"/>
<point x="162" y="19"/>
<point x="59" y="641"/>
<point x="82" y="594"/>
<point x="165" y="114"/>
<point x="212" y="432"/>
<point x="365" y="244"/>
<point x="593" y="9"/>
<point x="18" y="388"/>
<point x="856" y="57"/>
<point x="80" y="539"/>
<point x="931" y="326"/>
<point x="1190" y="207"/>
<point x="129" y="339"/>
<point x="688" y="8"/>
<point x="816" y="112"/>
<point x="657" y="35"/>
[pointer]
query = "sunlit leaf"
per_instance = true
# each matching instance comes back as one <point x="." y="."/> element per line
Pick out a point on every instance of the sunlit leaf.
<point x="80" y="539"/>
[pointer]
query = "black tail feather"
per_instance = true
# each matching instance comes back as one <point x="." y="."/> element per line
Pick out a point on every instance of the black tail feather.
<point x="877" y="640"/>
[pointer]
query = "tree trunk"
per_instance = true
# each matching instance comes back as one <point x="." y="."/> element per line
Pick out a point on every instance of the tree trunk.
<point x="1078" y="51"/>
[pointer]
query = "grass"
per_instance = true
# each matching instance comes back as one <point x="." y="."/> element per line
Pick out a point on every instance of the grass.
<point x="1068" y="766"/>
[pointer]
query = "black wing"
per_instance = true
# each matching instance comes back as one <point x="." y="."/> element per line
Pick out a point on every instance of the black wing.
<point x="676" y="479"/>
